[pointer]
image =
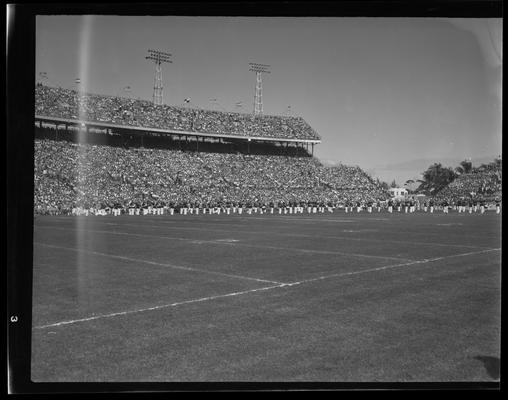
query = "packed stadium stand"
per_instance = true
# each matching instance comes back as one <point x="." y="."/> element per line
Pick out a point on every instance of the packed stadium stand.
<point x="121" y="153"/>
<point x="70" y="175"/>
<point x="479" y="185"/>
<point x="116" y="152"/>
<point x="72" y="105"/>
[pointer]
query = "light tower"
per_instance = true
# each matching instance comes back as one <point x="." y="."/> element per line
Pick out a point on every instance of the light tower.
<point x="158" y="57"/>
<point x="258" y="95"/>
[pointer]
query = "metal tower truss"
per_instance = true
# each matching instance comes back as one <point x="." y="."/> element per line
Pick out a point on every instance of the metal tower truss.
<point x="158" y="57"/>
<point x="258" y="94"/>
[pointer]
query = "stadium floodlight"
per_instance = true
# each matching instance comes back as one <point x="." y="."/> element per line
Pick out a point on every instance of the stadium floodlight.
<point x="158" y="57"/>
<point x="258" y="95"/>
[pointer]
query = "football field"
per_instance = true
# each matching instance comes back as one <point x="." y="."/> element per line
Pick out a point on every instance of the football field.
<point x="267" y="298"/>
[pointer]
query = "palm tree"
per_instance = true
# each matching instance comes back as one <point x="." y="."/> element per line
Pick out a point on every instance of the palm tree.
<point x="483" y="167"/>
<point x="436" y="177"/>
<point x="467" y="166"/>
<point x="498" y="162"/>
<point x="408" y="183"/>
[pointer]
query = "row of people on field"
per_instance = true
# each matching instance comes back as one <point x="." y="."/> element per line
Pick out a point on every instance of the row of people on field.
<point x="171" y="208"/>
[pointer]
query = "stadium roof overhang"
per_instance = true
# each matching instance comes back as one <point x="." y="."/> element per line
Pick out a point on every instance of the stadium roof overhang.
<point x="140" y="130"/>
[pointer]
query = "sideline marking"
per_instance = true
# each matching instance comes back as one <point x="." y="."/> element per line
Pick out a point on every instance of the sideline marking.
<point x="282" y="285"/>
<point x="278" y="218"/>
<point x="188" y="228"/>
<point x="425" y="261"/>
<point x="289" y="219"/>
<point x="208" y="221"/>
<point x="156" y="263"/>
<point x="157" y="307"/>
<point x="450" y="224"/>
<point x="199" y="241"/>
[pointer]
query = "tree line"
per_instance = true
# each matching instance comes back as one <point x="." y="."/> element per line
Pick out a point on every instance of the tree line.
<point x="436" y="177"/>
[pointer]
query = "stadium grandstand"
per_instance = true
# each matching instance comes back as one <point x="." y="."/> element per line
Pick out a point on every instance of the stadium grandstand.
<point x="96" y="152"/>
<point x="65" y="107"/>
<point x="481" y="184"/>
<point x="104" y="152"/>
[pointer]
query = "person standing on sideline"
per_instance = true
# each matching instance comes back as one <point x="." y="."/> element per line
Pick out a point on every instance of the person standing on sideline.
<point x="445" y="206"/>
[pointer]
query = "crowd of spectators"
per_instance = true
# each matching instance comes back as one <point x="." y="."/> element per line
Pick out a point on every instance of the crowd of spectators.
<point x="71" y="104"/>
<point x="480" y="185"/>
<point x="70" y="175"/>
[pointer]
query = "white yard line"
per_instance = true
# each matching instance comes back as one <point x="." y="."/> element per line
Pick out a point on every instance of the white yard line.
<point x="312" y="251"/>
<point x="290" y="218"/>
<point x="425" y="261"/>
<point x="282" y="218"/>
<point x="94" y="317"/>
<point x="137" y="260"/>
<point x="186" y="228"/>
<point x="199" y="241"/>
<point x="282" y="285"/>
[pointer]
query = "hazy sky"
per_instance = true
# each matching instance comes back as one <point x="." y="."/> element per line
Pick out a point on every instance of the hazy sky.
<point x="379" y="91"/>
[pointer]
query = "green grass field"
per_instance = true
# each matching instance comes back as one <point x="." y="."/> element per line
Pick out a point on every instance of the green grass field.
<point x="267" y="298"/>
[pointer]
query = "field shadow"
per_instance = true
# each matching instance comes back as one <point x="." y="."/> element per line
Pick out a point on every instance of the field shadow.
<point x="491" y="364"/>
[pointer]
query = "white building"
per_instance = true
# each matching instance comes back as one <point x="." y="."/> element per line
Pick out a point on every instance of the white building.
<point x="398" y="192"/>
